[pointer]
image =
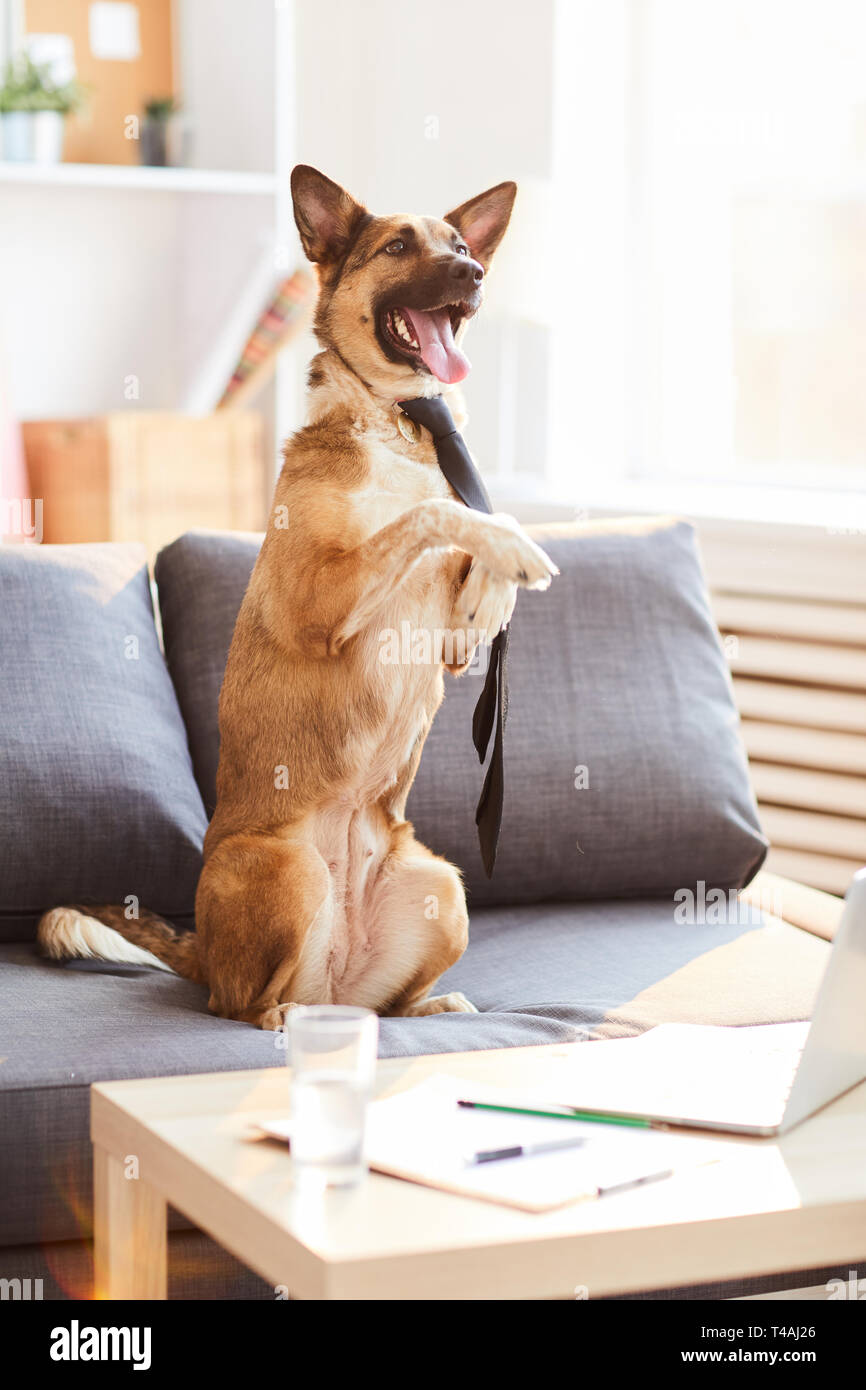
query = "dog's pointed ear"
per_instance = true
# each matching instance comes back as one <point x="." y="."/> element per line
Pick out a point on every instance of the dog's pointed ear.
<point x="326" y="215"/>
<point x="483" y="220"/>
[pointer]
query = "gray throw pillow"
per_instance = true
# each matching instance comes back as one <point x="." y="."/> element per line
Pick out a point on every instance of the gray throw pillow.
<point x="98" y="801"/>
<point x="201" y="579"/>
<point x="625" y="770"/>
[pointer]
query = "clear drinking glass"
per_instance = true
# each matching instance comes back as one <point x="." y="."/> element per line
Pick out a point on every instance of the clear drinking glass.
<point x="332" y="1053"/>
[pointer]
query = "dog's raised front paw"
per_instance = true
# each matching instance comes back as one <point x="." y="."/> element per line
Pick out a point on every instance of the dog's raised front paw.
<point x="515" y="556"/>
<point x="485" y="603"/>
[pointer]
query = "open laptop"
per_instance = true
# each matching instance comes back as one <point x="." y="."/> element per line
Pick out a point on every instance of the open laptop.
<point x="760" y="1080"/>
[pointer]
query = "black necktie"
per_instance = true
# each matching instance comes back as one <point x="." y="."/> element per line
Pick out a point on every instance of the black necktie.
<point x="456" y="464"/>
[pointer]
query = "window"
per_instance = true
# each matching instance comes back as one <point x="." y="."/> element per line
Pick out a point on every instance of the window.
<point x="710" y="171"/>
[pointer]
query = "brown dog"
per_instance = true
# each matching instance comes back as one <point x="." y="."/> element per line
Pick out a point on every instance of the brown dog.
<point x="314" y="888"/>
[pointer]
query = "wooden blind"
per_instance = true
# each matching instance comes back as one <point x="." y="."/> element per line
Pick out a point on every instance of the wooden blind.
<point x="792" y="609"/>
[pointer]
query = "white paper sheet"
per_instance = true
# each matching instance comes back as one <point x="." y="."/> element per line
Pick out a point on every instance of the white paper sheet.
<point x="424" y="1136"/>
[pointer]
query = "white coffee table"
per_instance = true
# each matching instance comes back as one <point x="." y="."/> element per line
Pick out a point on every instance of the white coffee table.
<point x="766" y="1206"/>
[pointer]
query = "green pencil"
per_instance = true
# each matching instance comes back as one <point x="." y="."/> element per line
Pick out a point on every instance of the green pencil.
<point x="565" y="1114"/>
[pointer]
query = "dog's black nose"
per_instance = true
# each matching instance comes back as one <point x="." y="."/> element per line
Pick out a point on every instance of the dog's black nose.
<point x="466" y="271"/>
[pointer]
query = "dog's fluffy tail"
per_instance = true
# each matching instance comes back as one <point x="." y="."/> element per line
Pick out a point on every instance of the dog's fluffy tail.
<point x="105" y="933"/>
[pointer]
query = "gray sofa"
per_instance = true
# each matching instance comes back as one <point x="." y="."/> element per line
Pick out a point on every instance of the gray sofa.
<point x="626" y="785"/>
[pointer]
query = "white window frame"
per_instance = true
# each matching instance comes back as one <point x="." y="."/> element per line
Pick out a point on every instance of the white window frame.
<point x="597" y="410"/>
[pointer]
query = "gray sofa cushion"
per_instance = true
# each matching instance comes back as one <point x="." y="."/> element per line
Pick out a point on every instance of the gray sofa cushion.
<point x="548" y="974"/>
<point x="617" y="670"/>
<point x="97" y="797"/>
<point x="202" y="578"/>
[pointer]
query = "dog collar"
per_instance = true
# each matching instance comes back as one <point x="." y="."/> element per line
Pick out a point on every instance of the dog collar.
<point x="406" y="425"/>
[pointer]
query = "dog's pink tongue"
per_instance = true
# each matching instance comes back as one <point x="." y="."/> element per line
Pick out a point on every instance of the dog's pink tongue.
<point x="438" y="348"/>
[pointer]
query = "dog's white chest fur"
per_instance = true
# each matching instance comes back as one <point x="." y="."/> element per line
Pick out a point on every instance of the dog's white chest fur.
<point x="400" y="476"/>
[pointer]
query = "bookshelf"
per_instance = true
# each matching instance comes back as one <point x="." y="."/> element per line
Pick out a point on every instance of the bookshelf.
<point x="131" y="176"/>
<point x="111" y="274"/>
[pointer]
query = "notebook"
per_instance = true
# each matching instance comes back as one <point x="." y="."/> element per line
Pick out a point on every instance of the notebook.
<point x="423" y="1136"/>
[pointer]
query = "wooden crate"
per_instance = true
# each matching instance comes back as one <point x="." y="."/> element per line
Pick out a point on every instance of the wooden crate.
<point x="147" y="476"/>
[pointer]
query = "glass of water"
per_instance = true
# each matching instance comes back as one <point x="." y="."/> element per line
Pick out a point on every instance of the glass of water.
<point x="332" y="1053"/>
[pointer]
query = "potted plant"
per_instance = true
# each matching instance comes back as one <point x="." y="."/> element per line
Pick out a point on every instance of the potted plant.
<point x="33" y="107"/>
<point x="155" y="147"/>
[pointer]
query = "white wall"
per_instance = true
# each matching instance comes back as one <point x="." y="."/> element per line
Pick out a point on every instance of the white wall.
<point x="226" y="81"/>
<point x="88" y="287"/>
<point x="371" y="74"/>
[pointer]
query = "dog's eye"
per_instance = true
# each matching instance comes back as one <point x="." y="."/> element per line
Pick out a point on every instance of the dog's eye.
<point x="462" y="250"/>
<point x="395" y="247"/>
